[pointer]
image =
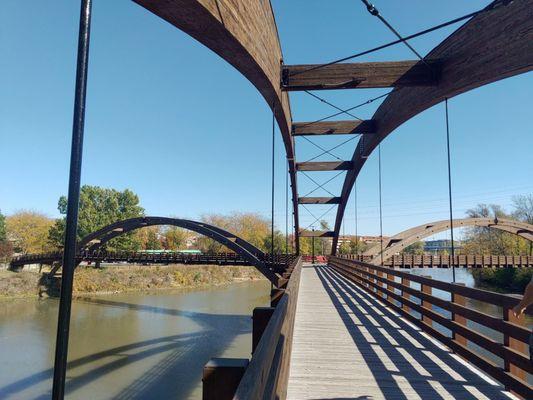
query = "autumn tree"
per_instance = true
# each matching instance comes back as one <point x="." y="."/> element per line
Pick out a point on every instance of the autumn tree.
<point x="29" y="231"/>
<point x="523" y="205"/>
<point x="174" y="238"/>
<point x="6" y="248"/>
<point x="100" y="207"/>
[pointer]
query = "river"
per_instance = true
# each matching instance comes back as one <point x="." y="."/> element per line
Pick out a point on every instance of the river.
<point x="127" y="346"/>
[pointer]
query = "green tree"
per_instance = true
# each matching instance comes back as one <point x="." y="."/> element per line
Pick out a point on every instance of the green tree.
<point x="100" y="207"/>
<point x="3" y="235"/>
<point x="417" y="248"/>
<point x="279" y="243"/>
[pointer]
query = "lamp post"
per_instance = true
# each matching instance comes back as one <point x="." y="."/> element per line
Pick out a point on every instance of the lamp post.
<point x="313" y="246"/>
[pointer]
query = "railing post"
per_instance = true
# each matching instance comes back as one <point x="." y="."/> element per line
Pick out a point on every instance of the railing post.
<point x="275" y="296"/>
<point x="513" y="344"/>
<point x="260" y="318"/>
<point x="405" y="295"/>
<point x="426" y="304"/>
<point x="221" y="377"/>
<point x="380" y="284"/>
<point x="461" y="301"/>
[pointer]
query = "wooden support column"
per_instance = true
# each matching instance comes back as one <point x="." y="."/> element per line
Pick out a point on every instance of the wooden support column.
<point x="515" y="345"/>
<point x="260" y="318"/>
<point x="405" y="295"/>
<point x="427" y="290"/>
<point x="222" y="377"/>
<point x="275" y="296"/>
<point x="459" y="300"/>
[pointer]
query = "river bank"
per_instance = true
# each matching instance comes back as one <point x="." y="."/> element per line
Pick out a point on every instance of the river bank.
<point x="503" y="280"/>
<point x="131" y="278"/>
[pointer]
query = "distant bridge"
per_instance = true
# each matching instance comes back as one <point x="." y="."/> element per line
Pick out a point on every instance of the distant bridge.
<point x="396" y="244"/>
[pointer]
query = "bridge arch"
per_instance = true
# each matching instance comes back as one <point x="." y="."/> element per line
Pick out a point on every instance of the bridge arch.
<point x="248" y="251"/>
<point x="493" y="45"/>
<point x="244" y="33"/>
<point x="403" y="239"/>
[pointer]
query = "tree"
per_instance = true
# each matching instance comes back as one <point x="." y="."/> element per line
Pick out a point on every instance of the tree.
<point x="523" y="205"/>
<point x="100" y="207"/>
<point x="174" y="238"/>
<point x="417" y="248"/>
<point x="487" y="241"/>
<point x="279" y="243"/>
<point x="3" y="236"/>
<point x="29" y="231"/>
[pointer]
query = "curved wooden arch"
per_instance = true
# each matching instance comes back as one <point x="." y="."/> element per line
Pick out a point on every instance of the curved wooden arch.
<point x="403" y="239"/>
<point x="240" y="246"/>
<point x="493" y="45"/>
<point x="243" y="33"/>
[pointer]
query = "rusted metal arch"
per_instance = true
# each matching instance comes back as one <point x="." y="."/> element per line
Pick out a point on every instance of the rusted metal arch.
<point x="493" y="45"/>
<point x="244" y="33"/>
<point x="248" y="251"/>
<point x="403" y="239"/>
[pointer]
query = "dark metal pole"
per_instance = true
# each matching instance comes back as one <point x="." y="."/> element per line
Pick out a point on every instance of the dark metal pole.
<point x="273" y="161"/>
<point x="380" y="206"/>
<point x="450" y="188"/>
<point x="69" y="252"/>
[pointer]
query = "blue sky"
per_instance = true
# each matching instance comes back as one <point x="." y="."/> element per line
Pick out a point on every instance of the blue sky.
<point x="172" y="121"/>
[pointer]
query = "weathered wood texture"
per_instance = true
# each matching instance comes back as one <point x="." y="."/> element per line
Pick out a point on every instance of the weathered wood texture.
<point x="319" y="200"/>
<point x="316" y="233"/>
<point x="244" y="33"/>
<point x="332" y="128"/>
<point x="511" y="351"/>
<point x="324" y="166"/>
<point x="348" y="345"/>
<point x="360" y="75"/>
<point x="493" y="45"/>
<point x="399" y="242"/>
<point x="268" y="372"/>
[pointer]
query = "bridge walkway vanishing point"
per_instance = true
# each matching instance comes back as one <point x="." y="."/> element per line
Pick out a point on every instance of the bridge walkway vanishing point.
<point x="349" y="345"/>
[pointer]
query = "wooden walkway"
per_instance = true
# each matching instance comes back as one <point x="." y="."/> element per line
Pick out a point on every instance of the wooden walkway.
<point x="347" y="345"/>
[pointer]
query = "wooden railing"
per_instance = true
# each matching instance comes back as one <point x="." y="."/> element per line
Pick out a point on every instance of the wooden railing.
<point x="443" y="261"/>
<point x="267" y="374"/>
<point x="508" y="361"/>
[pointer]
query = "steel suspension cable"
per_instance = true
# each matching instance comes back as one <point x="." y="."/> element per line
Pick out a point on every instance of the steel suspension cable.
<point x="287" y="209"/>
<point x="380" y="205"/>
<point x="331" y="104"/>
<point x="273" y="165"/>
<point x="450" y="188"/>
<point x="355" y="211"/>
<point x="375" y="12"/>
<point x="409" y="37"/>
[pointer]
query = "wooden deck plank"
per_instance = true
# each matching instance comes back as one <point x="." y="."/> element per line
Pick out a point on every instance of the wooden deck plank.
<point x="348" y="345"/>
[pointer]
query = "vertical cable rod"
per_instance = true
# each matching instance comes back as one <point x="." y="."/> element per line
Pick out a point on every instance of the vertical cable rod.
<point x="273" y="165"/>
<point x="380" y="206"/>
<point x="69" y="251"/>
<point x="450" y="188"/>
<point x="287" y="209"/>
<point x="355" y="210"/>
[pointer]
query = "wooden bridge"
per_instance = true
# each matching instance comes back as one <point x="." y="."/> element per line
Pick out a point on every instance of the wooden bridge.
<point x="353" y="330"/>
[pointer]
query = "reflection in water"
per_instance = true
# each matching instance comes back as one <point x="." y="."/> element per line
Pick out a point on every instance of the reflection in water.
<point x="127" y="346"/>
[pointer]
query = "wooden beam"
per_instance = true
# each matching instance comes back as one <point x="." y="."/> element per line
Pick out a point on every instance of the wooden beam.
<point x="319" y="200"/>
<point x="333" y="128"/>
<point x="324" y="166"/>
<point x="359" y="75"/>
<point x="317" y="233"/>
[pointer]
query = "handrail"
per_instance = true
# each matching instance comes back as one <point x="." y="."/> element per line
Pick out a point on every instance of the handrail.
<point x="266" y="377"/>
<point x="381" y="283"/>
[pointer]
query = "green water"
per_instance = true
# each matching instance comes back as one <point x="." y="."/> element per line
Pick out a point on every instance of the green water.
<point x="127" y="346"/>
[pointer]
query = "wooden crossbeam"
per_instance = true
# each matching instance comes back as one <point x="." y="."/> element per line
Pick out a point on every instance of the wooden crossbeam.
<point x="333" y="128"/>
<point x="319" y="200"/>
<point x="360" y="75"/>
<point x="317" y="233"/>
<point x="324" y="166"/>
